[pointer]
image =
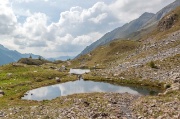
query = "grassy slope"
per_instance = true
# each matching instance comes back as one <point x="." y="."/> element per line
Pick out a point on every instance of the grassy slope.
<point x="107" y="54"/>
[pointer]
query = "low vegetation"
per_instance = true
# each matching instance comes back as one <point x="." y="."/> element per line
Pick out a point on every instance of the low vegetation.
<point x="17" y="79"/>
<point x="102" y="56"/>
<point x="152" y="65"/>
<point x="30" y="61"/>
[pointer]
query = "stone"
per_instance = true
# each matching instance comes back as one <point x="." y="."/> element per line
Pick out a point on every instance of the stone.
<point x="124" y="118"/>
<point x="50" y="78"/>
<point x="104" y="114"/>
<point x="176" y="77"/>
<point x="96" y="115"/>
<point x="9" y="74"/>
<point x="86" y="104"/>
<point x="58" y="79"/>
<point x="2" y="92"/>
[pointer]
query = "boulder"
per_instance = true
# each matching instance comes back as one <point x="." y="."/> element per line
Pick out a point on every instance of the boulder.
<point x="58" y="79"/>
<point x="175" y="77"/>
<point x="1" y="93"/>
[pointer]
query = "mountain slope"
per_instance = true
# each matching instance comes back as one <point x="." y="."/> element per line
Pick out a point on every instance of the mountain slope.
<point x="159" y="15"/>
<point x="120" y="32"/>
<point x="8" y="56"/>
<point x="145" y="21"/>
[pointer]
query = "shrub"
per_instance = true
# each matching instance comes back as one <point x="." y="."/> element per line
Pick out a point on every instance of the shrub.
<point x="152" y="65"/>
<point x="167" y="86"/>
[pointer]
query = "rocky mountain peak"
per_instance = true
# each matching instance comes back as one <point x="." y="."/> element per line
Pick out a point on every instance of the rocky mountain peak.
<point x="147" y="14"/>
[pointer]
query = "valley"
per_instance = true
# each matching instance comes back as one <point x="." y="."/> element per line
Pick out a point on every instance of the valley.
<point x="146" y="58"/>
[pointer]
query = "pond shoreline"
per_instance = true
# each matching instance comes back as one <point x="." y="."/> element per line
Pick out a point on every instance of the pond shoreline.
<point x="83" y="86"/>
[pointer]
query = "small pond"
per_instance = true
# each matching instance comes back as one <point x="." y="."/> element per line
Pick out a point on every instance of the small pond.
<point x="79" y="71"/>
<point x="79" y="86"/>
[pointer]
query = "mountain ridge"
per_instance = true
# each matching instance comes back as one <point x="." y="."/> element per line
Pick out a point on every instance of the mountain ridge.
<point x="144" y="21"/>
<point x="9" y="56"/>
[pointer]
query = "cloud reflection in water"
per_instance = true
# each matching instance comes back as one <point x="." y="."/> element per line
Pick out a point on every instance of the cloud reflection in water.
<point x="79" y="86"/>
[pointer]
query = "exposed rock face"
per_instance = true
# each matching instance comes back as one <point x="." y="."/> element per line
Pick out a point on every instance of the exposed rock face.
<point x="167" y="22"/>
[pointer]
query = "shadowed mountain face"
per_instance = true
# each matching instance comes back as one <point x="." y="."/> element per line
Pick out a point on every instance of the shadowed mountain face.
<point x="8" y="56"/>
<point x="144" y="21"/>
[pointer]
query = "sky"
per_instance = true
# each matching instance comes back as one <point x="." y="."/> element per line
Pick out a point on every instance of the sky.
<point x="53" y="28"/>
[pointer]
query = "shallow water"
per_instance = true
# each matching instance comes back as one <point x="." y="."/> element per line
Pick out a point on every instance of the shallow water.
<point x="79" y="86"/>
<point x="79" y="71"/>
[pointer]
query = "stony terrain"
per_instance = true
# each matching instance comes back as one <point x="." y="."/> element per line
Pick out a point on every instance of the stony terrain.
<point x="152" y="50"/>
<point x="158" y="107"/>
<point x="78" y="106"/>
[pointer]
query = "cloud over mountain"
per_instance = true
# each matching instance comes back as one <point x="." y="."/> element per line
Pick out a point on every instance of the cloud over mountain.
<point x="63" y="27"/>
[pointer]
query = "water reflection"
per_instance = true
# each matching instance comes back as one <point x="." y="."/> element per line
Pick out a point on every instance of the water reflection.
<point x="80" y="86"/>
<point x="79" y="71"/>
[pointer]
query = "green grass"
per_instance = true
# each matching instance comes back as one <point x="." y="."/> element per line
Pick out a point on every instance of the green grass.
<point x="24" y="78"/>
<point x="128" y="82"/>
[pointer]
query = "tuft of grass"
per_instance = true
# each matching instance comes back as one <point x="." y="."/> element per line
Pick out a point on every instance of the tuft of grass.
<point x="152" y="65"/>
<point x="167" y="86"/>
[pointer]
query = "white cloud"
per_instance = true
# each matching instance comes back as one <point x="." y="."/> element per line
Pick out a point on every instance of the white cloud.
<point x="24" y="1"/>
<point x="32" y="32"/>
<point x="78" y="21"/>
<point x="99" y="18"/>
<point x="127" y="10"/>
<point x="7" y="18"/>
<point x="77" y="26"/>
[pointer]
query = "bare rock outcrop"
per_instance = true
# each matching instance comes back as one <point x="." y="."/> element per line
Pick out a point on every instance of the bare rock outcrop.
<point x="167" y="22"/>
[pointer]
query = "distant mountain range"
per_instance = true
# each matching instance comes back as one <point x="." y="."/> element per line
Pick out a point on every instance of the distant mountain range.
<point x="8" y="56"/>
<point x="144" y="21"/>
<point x="63" y="58"/>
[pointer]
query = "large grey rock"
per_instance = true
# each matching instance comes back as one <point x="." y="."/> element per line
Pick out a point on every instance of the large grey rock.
<point x="175" y="77"/>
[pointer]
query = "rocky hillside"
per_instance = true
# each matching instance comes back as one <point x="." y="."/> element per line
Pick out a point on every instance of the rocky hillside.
<point x="145" y="21"/>
<point x="159" y="15"/>
<point x="154" y="59"/>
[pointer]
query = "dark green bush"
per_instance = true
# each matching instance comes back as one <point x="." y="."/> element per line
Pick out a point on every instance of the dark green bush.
<point x="167" y="86"/>
<point x="152" y="65"/>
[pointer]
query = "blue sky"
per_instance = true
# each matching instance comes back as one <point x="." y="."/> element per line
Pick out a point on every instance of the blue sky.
<point x="54" y="28"/>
